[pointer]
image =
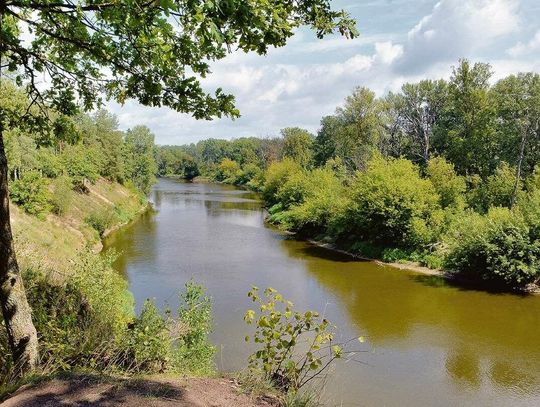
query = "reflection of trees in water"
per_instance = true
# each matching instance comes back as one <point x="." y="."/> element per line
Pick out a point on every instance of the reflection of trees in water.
<point x="398" y="309"/>
<point x="215" y="208"/>
<point x="464" y="367"/>
<point x="124" y="241"/>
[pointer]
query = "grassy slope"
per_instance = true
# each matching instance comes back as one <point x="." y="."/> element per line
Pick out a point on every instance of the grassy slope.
<point x="56" y="240"/>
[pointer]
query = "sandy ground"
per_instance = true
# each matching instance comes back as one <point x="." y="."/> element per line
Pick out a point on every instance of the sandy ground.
<point x="154" y="392"/>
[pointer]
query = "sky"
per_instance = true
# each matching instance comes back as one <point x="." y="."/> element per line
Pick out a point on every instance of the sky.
<point x="400" y="41"/>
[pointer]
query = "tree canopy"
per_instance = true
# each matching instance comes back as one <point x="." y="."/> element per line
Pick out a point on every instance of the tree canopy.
<point x="152" y="51"/>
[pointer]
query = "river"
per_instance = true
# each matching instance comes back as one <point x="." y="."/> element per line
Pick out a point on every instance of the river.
<point x="428" y="342"/>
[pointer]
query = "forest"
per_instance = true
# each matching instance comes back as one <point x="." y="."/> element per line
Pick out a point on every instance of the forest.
<point x="443" y="173"/>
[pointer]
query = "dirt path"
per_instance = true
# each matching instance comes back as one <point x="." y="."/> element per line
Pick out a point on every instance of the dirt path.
<point x="153" y="392"/>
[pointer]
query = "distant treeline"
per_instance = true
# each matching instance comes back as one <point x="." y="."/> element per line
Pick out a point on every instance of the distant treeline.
<point x="443" y="172"/>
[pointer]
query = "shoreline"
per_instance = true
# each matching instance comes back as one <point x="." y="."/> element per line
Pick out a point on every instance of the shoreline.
<point x="417" y="268"/>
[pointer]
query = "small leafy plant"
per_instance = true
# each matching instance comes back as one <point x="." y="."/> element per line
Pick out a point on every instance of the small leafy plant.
<point x="295" y="347"/>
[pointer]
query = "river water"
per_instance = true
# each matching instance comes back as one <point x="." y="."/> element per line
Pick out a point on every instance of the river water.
<point x="427" y="342"/>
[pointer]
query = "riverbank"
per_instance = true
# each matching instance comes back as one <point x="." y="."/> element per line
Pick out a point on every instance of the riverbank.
<point x="56" y="241"/>
<point x="533" y="289"/>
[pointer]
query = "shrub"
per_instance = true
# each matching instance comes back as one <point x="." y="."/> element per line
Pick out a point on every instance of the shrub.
<point x="450" y="186"/>
<point x="194" y="353"/>
<point x="81" y="320"/>
<point x="295" y="347"/>
<point x="323" y="196"/>
<point x="496" y="190"/>
<point x="248" y="173"/>
<point x="389" y="205"/>
<point x="497" y="247"/>
<point x="277" y="174"/>
<point x="62" y="194"/>
<point x="101" y="220"/>
<point x="227" y="171"/>
<point x="31" y="193"/>
<point x="294" y="189"/>
<point x="49" y="163"/>
<point x="147" y="343"/>
<point x="87" y="321"/>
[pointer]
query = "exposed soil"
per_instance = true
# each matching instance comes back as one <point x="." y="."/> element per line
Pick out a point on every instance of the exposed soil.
<point x="151" y="392"/>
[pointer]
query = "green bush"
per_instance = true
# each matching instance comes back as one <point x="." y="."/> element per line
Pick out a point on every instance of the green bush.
<point x="193" y="352"/>
<point x="49" y="163"/>
<point x="496" y="190"/>
<point x="323" y="197"/>
<point x="62" y="194"/>
<point x="294" y="347"/>
<point x="79" y="165"/>
<point x="450" y="186"/>
<point x="497" y="247"/>
<point x="31" y="193"/>
<point x="101" y="220"/>
<point x="276" y="175"/>
<point x="81" y="320"/>
<point x="249" y="173"/>
<point x="390" y="204"/>
<point x="146" y="346"/>
<point x="227" y="171"/>
<point x="294" y="189"/>
<point x="87" y="321"/>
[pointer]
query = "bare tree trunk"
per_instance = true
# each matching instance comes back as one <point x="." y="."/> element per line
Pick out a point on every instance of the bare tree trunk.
<point x="519" y="165"/>
<point x="15" y="308"/>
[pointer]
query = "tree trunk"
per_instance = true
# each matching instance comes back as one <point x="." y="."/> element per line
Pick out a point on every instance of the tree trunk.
<point x="17" y="314"/>
<point x="519" y="165"/>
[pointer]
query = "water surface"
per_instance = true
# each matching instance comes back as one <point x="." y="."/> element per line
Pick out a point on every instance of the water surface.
<point x="427" y="342"/>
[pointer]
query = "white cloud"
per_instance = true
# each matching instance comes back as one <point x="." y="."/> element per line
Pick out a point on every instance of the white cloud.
<point x="457" y="28"/>
<point x="298" y="84"/>
<point x="526" y="48"/>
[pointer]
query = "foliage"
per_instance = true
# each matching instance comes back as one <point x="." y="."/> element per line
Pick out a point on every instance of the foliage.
<point x="450" y="186"/>
<point x="389" y="204"/>
<point x="139" y="158"/>
<point x="298" y="145"/>
<point x="155" y="53"/>
<point x="101" y="220"/>
<point x="277" y="174"/>
<point x="496" y="190"/>
<point x="498" y="247"/>
<point x="323" y="199"/>
<point x="79" y="166"/>
<point x="87" y="321"/>
<point x="194" y="352"/>
<point x="62" y="195"/>
<point x="282" y="357"/>
<point x="31" y="193"/>
<point x="228" y="171"/>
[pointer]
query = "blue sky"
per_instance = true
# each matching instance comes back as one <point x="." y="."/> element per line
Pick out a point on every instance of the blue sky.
<point x="401" y="41"/>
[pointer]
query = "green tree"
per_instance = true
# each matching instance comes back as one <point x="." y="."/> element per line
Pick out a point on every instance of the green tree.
<point x="298" y="145"/>
<point x="154" y="52"/>
<point x="324" y="145"/>
<point x="420" y="106"/>
<point x="518" y="110"/>
<point x="465" y="134"/>
<point x="360" y="133"/>
<point x="139" y="158"/>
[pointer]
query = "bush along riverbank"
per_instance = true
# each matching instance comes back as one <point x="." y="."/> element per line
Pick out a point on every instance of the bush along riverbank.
<point x="443" y="173"/>
<point x="83" y="310"/>
<point x="393" y="213"/>
<point x="430" y="219"/>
